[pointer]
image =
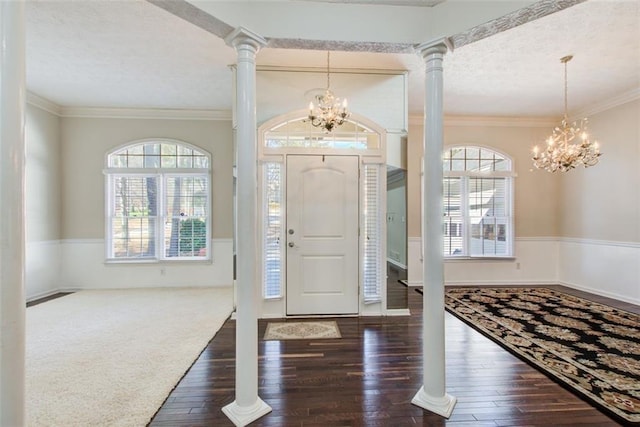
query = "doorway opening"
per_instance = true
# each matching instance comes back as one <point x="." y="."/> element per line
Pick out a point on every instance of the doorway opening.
<point x="321" y="199"/>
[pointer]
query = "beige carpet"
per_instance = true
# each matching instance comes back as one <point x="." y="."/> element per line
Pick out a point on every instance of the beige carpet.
<point x="111" y="357"/>
<point x="301" y="330"/>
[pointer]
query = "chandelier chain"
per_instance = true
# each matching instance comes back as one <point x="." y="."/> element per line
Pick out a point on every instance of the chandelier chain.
<point x="329" y="112"/>
<point x="328" y="73"/>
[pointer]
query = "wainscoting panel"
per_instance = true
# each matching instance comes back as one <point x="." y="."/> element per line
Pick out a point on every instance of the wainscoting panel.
<point x="605" y="268"/>
<point x="42" y="268"/>
<point x="535" y="262"/>
<point x="83" y="267"/>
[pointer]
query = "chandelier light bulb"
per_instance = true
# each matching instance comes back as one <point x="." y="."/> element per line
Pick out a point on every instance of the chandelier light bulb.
<point x="329" y="112"/>
<point x="562" y="154"/>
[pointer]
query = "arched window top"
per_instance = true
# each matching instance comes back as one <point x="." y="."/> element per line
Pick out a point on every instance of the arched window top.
<point x="475" y="159"/>
<point x="299" y="132"/>
<point x="158" y="154"/>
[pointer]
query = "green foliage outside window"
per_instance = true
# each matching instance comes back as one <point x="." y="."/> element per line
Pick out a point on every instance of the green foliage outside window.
<point x="193" y="236"/>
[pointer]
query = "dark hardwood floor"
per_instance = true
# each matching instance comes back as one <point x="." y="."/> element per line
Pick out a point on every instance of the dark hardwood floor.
<point x="397" y="293"/>
<point x="369" y="377"/>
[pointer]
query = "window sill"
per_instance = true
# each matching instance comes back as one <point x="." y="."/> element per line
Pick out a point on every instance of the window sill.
<point x="113" y="261"/>
<point x="479" y="258"/>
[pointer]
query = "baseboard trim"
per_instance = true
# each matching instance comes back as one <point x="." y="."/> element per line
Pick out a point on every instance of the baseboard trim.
<point x="600" y="292"/>
<point x="398" y="312"/>
<point x="46" y="294"/>
<point x="494" y="283"/>
<point x="396" y="263"/>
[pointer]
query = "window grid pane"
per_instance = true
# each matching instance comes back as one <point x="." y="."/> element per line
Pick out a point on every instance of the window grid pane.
<point x="158" y="155"/>
<point x="272" y="239"/>
<point x="371" y="265"/>
<point x="477" y="211"/>
<point x="134" y="211"/>
<point x="185" y="230"/>
<point x="158" y="216"/>
<point x="453" y="244"/>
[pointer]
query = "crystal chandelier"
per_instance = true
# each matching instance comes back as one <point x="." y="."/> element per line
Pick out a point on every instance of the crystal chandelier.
<point x="561" y="153"/>
<point x="329" y="112"/>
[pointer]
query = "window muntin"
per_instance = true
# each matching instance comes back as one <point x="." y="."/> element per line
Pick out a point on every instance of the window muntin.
<point x="477" y="199"/>
<point x="272" y="240"/>
<point x="163" y="154"/>
<point x="299" y="133"/>
<point x="158" y="202"/>
<point x="372" y="278"/>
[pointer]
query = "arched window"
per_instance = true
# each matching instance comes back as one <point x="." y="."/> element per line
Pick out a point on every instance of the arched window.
<point x="478" y="203"/>
<point x="158" y="202"/>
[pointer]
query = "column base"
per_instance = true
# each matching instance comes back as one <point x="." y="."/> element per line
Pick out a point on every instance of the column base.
<point x="442" y="406"/>
<point x="241" y="416"/>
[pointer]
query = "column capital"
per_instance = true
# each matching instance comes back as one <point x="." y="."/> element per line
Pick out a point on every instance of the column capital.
<point x="241" y="36"/>
<point x="441" y="45"/>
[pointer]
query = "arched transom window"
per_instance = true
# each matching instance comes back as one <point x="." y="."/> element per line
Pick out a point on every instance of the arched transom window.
<point x="158" y="202"/>
<point x="478" y="203"/>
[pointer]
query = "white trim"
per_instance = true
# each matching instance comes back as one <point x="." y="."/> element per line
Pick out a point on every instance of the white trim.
<point x="144" y="113"/>
<point x="323" y="70"/>
<point x="610" y="103"/>
<point x="580" y="241"/>
<point x="81" y="241"/>
<point x="537" y="239"/>
<point x="500" y="282"/>
<point x="125" y="113"/>
<point x="600" y="292"/>
<point x="45" y="294"/>
<point x="493" y="121"/>
<point x="43" y="103"/>
<point x="396" y="263"/>
<point x="398" y="312"/>
<point x="44" y="242"/>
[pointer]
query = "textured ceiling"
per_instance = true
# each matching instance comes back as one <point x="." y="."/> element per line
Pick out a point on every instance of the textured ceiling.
<point x="134" y="54"/>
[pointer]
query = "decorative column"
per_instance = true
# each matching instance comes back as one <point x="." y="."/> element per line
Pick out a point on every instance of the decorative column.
<point x="247" y="407"/>
<point x="12" y="294"/>
<point x="432" y="395"/>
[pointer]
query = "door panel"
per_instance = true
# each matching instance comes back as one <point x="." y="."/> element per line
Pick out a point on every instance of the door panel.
<point x="322" y="235"/>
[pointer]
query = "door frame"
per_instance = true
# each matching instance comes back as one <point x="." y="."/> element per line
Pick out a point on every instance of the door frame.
<point x="376" y="158"/>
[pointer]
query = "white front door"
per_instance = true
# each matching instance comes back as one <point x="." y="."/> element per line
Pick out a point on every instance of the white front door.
<point x="322" y="235"/>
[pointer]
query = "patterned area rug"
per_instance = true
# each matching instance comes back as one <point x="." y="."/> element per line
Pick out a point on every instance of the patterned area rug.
<point x="301" y="330"/>
<point x="590" y="347"/>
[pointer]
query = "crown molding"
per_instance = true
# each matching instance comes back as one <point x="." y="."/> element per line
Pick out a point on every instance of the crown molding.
<point x="145" y="113"/>
<point x="497" y="121"/>
<point x="610" y="103"/>
<point x="43" y="103"/>
<point x="383" y="71"/>
<point x="125" y="113"/>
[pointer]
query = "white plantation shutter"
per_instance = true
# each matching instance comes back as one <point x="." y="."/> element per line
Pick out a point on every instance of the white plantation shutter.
<point x="132" y="216"/>
<point x="372" y="243"/>
<point x="272" y="238"/>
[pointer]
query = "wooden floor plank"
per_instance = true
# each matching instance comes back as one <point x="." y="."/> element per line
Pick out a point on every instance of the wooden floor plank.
<point x="370" y="376"/>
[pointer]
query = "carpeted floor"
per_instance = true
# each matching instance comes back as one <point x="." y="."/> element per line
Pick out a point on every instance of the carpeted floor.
<point x="309" y="330"/>
<point x="111" y="357"/>
<point x="591" y="348"/>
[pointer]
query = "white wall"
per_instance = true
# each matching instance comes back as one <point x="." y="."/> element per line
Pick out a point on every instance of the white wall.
<point x="83" y="267"/>
<point x="600" y="211"/>
<point x="580" y="229"/>
<point x="535" y="203"/>
<point x="85" y="142"/>
<point x="42" y="202"/>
